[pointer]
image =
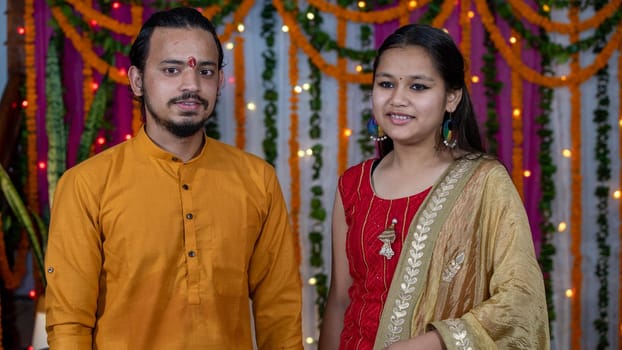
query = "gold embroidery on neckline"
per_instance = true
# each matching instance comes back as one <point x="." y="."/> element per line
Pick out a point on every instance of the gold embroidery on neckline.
<point x="415" y="253"/>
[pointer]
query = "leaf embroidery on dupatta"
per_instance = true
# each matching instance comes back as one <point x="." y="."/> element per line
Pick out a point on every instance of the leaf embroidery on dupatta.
<point x="415" y="253"/>
<point x="459" y="333"/>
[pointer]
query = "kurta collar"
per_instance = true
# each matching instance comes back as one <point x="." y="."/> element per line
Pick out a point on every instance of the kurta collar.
<point x="153" y="150"/>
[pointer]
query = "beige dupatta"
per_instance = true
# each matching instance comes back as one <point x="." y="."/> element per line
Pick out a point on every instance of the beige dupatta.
<point x="410" y="275"/>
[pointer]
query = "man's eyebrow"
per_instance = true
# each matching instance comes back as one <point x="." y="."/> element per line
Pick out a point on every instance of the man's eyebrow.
<point x="183" y="62"/>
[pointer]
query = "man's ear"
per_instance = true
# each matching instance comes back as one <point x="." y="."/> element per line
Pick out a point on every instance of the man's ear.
<point x="453" y="99"/>
<point x="136" y="80"/>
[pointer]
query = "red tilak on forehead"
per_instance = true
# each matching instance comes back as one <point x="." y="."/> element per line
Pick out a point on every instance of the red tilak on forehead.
<point x="192" y="62"/>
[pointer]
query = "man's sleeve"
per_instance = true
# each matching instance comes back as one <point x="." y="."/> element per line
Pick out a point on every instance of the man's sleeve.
<point x="73" y="263"/>
<point x="275" y="284"/>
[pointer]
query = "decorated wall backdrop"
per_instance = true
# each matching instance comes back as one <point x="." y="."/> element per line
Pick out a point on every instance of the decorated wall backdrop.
<point x="545" y="77"/>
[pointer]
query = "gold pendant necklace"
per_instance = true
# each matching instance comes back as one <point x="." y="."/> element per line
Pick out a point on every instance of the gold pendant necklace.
<point x="387" y="237"/>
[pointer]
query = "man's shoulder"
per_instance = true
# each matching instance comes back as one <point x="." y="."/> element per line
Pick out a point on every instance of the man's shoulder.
<point x="98" y="164"/>
<point x="234" y="155"/>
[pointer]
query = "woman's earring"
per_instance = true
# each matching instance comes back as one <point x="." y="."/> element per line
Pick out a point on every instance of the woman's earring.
<point x="375" y="131"/>
<point x="448" y="138"/>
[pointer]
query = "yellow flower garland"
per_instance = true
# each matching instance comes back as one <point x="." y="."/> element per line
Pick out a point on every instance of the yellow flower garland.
<point x="31" y="109"/>
<point x="240" y="88"/>
<point x="576" y="206"/>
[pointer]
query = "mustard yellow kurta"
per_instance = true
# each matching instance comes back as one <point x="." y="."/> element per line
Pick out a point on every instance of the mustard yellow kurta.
<point x="469" y="268"/>
<point x="148" y="252"/>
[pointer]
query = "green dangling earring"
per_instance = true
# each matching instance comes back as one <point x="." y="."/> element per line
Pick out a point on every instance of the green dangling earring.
<point x="448" y="138"/>
<point x="375" y="131"/>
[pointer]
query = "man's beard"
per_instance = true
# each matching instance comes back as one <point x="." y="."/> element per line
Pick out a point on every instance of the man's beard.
<point x="181" y="129"/>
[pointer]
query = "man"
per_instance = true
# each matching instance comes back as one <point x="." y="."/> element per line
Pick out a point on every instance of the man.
<point x="160" y="242"/>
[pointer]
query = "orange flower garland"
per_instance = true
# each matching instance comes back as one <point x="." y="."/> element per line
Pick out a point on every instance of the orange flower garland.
<point x="87" y="89"/>
<point x="137" y="116"/>
<point x="379" y="16"/>
<point x="240" y="88"/>
<point x="342" y="121"/>
<point x="620" y="174"/>
<point x="596" y="20"/>
<point x="294" y="160"/>
<point x="517" y="122"/>
<point x="31" y="109"/>
<point x="576" y="76"/>
<point x="85" y="49"/>
<point x="465" y="38"/>
<point x="105" y="21"/>
<point x="12" y="279"/>
<point x="446" y="9"/>
<point x="238" y="17"/>
<point x="576" y="206"/>
<point x="298" y="39"/>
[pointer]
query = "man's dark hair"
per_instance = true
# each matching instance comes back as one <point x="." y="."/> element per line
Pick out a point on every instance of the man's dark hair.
<point x="179" y="17"/>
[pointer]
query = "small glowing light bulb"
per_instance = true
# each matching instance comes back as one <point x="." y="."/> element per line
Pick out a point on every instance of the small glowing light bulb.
<point x="561" y="227"/>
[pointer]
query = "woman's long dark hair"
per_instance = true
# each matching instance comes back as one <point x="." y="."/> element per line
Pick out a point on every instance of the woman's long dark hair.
<point x="449" y="62"/>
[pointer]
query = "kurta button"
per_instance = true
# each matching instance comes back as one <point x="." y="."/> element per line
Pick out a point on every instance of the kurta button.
<point x="175" y="159"/>
<point x="185" y="186"/>
<point x="189" y="216"/>
<point x="192" y="254"/>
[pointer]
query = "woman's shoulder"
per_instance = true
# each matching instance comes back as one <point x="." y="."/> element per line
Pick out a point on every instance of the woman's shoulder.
<point x="357" y="170"/>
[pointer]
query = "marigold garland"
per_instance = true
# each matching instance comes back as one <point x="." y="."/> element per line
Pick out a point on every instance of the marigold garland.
<point x="576" y="206"/>
<point x="84" y="48"/>
<point x="294" y="160"/>
<point x="577" y="76"/>
<point x="13" y="278"/>
<point x="596" y="20"/>
<point x="404" y="19"/>
<point x="238" y="17"/>
<point x="240" y="88"/>
<point x="446" y="9"/>
<point x="465" y="38"/>
<point x="378" y="16"/>
<point x="298" y="39"/>
<point x="137" y="116"/>
<point x="107" y="22"/>
<point x="31" y="109"/>
<point x="620" y="177"/>
<point x="342" y="114"/>
<point x="87" y="88"/>
<point x="517" y="122"/>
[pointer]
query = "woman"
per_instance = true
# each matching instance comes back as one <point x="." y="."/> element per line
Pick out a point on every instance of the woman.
<point x="431" y="244"/>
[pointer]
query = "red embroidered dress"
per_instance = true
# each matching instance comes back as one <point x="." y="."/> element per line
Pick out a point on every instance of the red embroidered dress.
<point x="367" y="216"/>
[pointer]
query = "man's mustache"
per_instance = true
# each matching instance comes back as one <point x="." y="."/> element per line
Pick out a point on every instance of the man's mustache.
<point x="189" y="96"/>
